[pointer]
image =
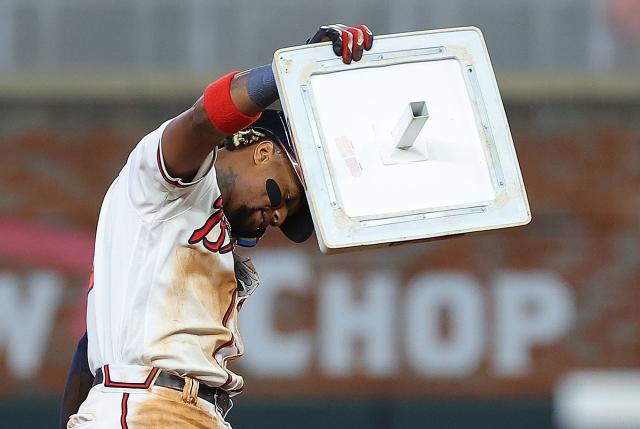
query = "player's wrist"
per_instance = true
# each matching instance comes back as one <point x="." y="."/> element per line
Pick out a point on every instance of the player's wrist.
<point x="223" y="110"/>
<point x="261" y="86"/>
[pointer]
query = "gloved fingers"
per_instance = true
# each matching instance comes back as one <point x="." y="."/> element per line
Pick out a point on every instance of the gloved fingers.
<point x="335" y="34"/>
<point x="356" y="42"/>
<point x="342" y="41"/>
<point x="347" y="47"/>
<point x="368" y="36"/>
<point x="347" y="42"/>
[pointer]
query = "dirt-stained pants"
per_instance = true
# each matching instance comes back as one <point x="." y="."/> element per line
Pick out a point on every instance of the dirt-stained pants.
<point x="155" y="407"/>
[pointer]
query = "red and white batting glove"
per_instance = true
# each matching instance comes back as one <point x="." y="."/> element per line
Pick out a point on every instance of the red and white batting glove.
<point x="348" y="42"/>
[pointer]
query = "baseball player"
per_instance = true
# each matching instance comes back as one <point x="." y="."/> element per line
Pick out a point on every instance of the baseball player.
<point x="167" y="286"/>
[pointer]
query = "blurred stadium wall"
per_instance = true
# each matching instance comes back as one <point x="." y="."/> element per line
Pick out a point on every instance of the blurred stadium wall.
<point x="472" y="332"/>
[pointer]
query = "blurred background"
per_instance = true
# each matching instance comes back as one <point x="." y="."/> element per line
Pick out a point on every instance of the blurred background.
<point x="492" y="330"/>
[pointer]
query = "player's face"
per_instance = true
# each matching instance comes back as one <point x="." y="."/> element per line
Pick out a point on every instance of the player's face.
<point x="253" y="209"/>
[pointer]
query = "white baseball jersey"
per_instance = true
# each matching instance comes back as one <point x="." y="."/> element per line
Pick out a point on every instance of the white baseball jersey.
<point x="164" y="291"/>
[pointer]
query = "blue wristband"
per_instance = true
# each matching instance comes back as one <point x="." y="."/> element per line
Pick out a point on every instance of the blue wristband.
<point x="261" y="86"/>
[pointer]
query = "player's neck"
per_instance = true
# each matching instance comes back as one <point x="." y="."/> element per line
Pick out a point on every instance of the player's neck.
<point x="226" y="173"/>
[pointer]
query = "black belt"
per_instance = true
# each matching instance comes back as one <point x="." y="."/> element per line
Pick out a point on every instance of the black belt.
<point x="216" y="396"/>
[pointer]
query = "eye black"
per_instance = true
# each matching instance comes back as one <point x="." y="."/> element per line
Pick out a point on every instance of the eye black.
<point x="274" y="193"/>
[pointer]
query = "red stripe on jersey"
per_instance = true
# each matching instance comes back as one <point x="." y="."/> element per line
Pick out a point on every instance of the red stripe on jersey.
<point x="227" y="315"/>
<point x="226" y="383"/>
<point x="168" y="179"/>
<point x="225" y="320"/>
<point x="123" y="415"/>
<point x="227" y="344"/>
<point x="144" y="385"/>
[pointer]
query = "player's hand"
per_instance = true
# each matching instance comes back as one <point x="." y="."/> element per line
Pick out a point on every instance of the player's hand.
<point x="348" y="42"/>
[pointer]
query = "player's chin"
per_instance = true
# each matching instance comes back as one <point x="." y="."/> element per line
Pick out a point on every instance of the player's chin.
<point x="248" y="232"/>
<point x="248" y="224"/>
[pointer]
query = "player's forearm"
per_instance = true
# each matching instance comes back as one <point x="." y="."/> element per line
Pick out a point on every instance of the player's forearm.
<point x="252" y="91"/>
<point x="193" y="135"/>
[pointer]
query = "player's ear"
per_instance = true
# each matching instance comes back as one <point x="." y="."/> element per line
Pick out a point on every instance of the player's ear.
<point x="263" y="152"/>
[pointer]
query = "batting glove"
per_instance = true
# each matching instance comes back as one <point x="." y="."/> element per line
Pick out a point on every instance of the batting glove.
<point x="348" y="42"/>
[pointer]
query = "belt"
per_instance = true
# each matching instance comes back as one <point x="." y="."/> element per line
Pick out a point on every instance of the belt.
<point x="214" y="395"/>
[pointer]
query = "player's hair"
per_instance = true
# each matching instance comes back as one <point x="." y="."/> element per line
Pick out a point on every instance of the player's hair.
<point x="249" y="137"/>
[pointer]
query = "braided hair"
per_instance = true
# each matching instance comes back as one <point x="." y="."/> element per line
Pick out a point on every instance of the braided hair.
<point x="243" y="138"/>
<point x="247" y="137"/>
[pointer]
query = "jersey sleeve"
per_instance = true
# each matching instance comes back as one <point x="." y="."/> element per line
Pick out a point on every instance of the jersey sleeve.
<point x="154" y="193"/>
